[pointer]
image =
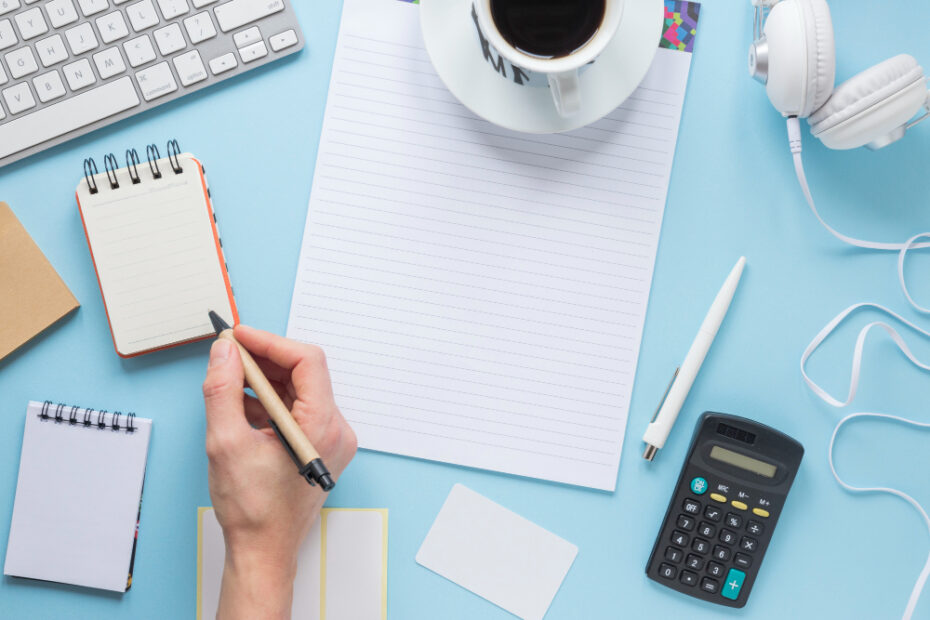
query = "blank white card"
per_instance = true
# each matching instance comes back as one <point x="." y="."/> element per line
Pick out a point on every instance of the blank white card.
<point x="480" y="293"/>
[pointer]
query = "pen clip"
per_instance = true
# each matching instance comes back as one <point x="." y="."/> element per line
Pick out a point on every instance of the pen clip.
<point x="301" y="468"/>
<point x="664" y="396"/>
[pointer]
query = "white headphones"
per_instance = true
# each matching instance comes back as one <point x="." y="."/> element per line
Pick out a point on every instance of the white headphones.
<point x="793" y="55"/>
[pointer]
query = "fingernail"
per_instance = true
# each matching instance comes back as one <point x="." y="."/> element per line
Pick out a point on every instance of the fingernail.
<point x="219" y="352"/>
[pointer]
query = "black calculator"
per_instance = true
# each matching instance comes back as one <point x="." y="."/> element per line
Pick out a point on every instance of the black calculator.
<point x="729" y="495"/>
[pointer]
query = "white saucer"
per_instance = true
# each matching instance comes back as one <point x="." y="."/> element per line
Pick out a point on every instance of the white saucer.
<point x="453" y="46"/>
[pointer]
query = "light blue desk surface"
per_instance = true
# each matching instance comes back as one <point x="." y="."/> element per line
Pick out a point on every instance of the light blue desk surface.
<point x="733" y="192"/>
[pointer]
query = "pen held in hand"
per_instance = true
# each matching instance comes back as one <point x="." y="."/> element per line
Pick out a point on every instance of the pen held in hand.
<point x="309" y="463"/>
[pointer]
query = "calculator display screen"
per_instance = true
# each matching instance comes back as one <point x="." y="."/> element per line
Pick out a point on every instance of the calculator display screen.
<point x="743" y="462"/>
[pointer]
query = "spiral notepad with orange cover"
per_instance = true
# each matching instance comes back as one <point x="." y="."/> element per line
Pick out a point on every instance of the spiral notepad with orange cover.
<point x="153" y="239"/>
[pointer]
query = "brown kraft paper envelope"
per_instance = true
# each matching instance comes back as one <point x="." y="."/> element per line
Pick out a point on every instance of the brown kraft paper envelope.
<point x="32" y="295"/>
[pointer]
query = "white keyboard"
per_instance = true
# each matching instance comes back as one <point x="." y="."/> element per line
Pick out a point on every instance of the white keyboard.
<point x="68" y="67"/>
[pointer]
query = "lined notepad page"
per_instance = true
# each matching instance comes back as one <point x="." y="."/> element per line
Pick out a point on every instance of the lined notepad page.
<point x="480" y="293"/>
<point x="156" y="257"/>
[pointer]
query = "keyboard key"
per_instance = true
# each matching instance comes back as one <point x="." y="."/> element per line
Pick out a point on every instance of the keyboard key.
<point x="224" y="63"/>
<point x="2" y="113"/>
<point x="169" y="39"/>
<point x="139" y="50"/>
<point x="18" y="98"/>
<point x="142" y="15"/>
<point x="68" y="115"/>
<point x="112" y="27"/>
<point x="286" y="39"/>
<point x="734" y="520"/>
<point x="667" y="570"/>
<point x="673" y="554"/>
<point x="200" y="27"/>
<point x="742" y="560"/>
<point x="253" y="52"/>
<point x="706" y="529"/>
<point x="109" y="62"/>
<point x="199" y="4"/>
<point x="232" y="15"/>
<point x="31" y="23"/>
<point x="21" y="62"/>
<point x="685" y="522"/>
<point x="79" y="74"/>
<point x="3" y="78"/>
<point x="721" y="553"/>
<point x="49" y="86"/>
<point x="172" y="8"/>
<point x="8" y="6"/>
<point x="727" y="537"/>
<point x="713" y="513"/>
<point x="690" y="506"/>
<point x="694" y="562"/>
<point x="762" y="512"/>
<point x="61" y="12"/>
<point x="755" y="528"/>
<point x="715" y="569"/>
<point x="680" y="538"/>
<point x="688" y="578"/>
<point x="51" y="50"/>
<point x="748" y="544"/>
<point x="700" y="545"/>
<point x="156" y="81"/>
<point x="733" y="584"/>
<point x="247" y="37"/>
<point x="92" y="7"/>
<point x="709" y="585"/>
<point x="81" y="38"/>
<point x="190" y="68"/>
<point x="7" y="36"/>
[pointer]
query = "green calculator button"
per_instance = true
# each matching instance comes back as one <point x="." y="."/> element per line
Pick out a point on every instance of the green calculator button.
<point x="733" y="584"/>
<point x="699" y="486"/>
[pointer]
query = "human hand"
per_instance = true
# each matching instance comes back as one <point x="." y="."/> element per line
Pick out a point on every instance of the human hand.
<point x="263" y="506"/>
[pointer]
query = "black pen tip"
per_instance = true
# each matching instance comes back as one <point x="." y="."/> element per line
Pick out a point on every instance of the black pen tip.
<point x="218" y="323"/>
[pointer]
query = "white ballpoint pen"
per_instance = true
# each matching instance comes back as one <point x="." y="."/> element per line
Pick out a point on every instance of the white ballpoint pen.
<point x="658" y="430"/>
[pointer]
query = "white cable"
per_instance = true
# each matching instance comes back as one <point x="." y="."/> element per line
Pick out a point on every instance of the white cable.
<point x="794" y="139"/>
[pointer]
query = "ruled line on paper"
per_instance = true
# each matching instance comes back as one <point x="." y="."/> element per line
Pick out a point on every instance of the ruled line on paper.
<point x="480" y="293"/>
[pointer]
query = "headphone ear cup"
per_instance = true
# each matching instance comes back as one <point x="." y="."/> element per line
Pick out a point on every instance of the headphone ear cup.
<point x="872" y="104"/>
<point x="801" y="56"/>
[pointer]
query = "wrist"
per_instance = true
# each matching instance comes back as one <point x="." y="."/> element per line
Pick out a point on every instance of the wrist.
<point x="257" y="583"/>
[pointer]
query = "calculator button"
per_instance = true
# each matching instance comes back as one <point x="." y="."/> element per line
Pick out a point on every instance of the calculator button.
<point x="715" y="569"/>
<point x="734" y="520"/>
<point x="721" y="553"/>
<point x="673" y="554"/>
<point x="688" y="578"/>
<point x="680" y="538"/>
<point x="713" y="513"/>
<point x="727" y="537"/>
<point x="706" y="529"/>
<point x="717" y="497"/>
<point x="685" y="522"/>
<point x="733" y="584"/>
<point x="748" y="544"/>
<point x="742" y="560"/>
<point x="699" y="486"/>
<point x="760" y="511"/>
<point x="667" y="570"/>
<point x="709" y="585"/>
<point x="754" y="527"/>
<point x="694" y="562"/>
<point x="700" y="545"/>
<point x="738" y="504"/>
<point x="692" y="507"/>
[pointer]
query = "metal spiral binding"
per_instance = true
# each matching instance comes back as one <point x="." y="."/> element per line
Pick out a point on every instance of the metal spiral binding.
<point x="174" y="150"/>
<point x="110" y="165"/>
<point x="89" y="165"/>
<point x="153" y="155"/>
<point x="132" y="165"/>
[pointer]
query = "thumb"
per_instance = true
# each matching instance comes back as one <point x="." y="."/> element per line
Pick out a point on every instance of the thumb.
<point x="222" y="392"/>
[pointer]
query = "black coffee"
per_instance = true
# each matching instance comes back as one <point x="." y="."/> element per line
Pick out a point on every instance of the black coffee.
<point x="547" y="28"/>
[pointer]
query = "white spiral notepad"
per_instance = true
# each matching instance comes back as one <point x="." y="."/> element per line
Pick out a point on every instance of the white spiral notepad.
<point x="78" y="496"/>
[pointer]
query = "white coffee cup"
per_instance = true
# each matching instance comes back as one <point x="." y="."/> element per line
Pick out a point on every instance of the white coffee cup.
<point x="560" y="74"/>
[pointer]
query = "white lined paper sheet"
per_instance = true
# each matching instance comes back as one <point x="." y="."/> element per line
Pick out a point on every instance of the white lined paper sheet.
<point x="480" y="293"/>
<point x="156" y="256"/>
